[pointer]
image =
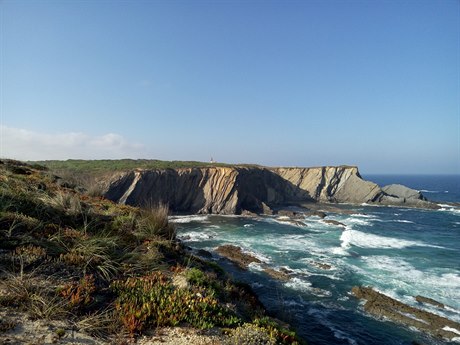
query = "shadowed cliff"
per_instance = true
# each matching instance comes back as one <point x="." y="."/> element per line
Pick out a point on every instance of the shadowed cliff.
<point x="237" y="190"/>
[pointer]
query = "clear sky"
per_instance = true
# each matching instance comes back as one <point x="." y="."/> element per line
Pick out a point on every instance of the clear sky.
<point x="280" y="83"/>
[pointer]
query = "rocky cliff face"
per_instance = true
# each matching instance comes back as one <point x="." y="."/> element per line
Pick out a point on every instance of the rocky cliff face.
<point x="331" y="184"/>
<point x="206" y="190"/>
<point x="235" y="190"/>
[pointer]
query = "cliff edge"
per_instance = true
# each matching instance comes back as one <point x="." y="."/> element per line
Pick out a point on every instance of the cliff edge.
<point x="237" y="190"/>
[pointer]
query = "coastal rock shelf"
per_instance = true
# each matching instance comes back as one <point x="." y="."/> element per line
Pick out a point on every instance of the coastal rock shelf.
<point x="240" y="190"/>
<point x="383" y="306"/>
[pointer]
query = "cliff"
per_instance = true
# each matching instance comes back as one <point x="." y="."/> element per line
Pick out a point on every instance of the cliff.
<point x="235" y="190"/>
<point x="205" y="190"/>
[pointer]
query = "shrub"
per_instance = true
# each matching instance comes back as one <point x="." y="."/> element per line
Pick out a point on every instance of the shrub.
<point x="27" y="255"/>
<point x="153" y="301"/>
<point x="277" y="331"/>
<point x="79" y="294"/>
<point x="199" y="278"/>
<point x="249" y="334"/>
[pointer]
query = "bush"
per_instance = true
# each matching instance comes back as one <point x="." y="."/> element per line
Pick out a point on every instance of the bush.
<point x="79" y="294"/>
<point x="198" y="278"/>
<point x="249" y="334"/>
<point x="152" y="300"/>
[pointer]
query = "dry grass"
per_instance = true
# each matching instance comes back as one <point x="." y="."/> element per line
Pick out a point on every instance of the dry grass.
<point x="95" y="253"/>
<point x="33" y="294"/>
<point x="66" y="202"/>
<point x="153" y="222"/>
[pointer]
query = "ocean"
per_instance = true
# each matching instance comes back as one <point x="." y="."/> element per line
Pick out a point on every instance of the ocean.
<point x="401" y="252"/>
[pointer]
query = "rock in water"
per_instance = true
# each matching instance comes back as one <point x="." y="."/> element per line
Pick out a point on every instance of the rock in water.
<point x="237" y="256"/>
<point x="384" y="306"/>
<point x="431" y="301"/>
<point x="400" y="191"/>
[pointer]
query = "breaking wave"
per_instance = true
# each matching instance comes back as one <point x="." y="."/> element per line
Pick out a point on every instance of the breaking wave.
<point x="360" y="239"/>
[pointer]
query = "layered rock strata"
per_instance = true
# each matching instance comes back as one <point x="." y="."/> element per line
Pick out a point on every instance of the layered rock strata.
<point x="237" y="190"/>
<point x="381" y="305"/>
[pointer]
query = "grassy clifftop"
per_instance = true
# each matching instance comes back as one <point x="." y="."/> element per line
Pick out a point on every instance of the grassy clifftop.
<point x="108" y="270"/>
<point x="122" y="164"/>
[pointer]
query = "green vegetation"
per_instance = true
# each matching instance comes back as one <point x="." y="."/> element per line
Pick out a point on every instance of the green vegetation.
<point x="122" y="164"/>
<point x="111" y="270"/>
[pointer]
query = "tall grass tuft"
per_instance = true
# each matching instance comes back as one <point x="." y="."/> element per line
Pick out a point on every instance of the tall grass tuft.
<point x="153" y="222"/>
<point x="68" y="203"/>
<point x="98" y="252"/>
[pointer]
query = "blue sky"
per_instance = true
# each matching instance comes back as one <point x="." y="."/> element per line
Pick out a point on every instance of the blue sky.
<point x="279" y="83"/>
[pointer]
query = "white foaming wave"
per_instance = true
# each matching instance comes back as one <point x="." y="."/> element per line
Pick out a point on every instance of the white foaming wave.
<point x="298" y="284"/>
<point x="305" y="243"/>
<point x="360" y="239"/>
<point x="398" y="273"/>
<point x="289" y="242"/>
<point x="305" y="286"/>
<point x="257" y="255"/>
<point x="452" y="310"/>
<point x="254" y="266"/>
<point x="286" y="221"/>
<point x="450" y="329"/>
<point x="452" y="210"/>
<point x="404" y="221"/>
<point x="197" y="236"/>
<point x="306" y="273"/>
<point x="363" y="215"/>
<point x="357" y="221"/>
<point x="248" y="225"/>
<point x="187" y="219"/>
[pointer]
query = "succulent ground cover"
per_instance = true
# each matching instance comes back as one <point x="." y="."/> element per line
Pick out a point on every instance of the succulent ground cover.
<point x="112" y="271"/>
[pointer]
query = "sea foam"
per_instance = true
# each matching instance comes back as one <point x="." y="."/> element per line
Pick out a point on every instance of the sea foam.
<point x="187" y="219"/>
<point x="364" y="240"/>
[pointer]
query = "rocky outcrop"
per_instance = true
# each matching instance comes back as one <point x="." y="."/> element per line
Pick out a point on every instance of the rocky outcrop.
<point x="331" y="184"/>
<point x="381" y="305"/>
<point x="218" y="190"/>
<point x="396" y="194"/>
<point x="344" y="184"/>
<point x="243" y="260"/>
<point x="237" y="256"/>
<point x="252" y="190"/>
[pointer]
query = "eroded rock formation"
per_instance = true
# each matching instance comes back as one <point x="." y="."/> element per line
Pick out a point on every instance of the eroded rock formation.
<point x="236" y="190"/>
<point x="384" y="306"/>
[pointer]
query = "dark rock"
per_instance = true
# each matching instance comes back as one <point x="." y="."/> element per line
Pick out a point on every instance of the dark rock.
<point x="282" y="274"/>
<point x="204" y="253"/>
<point x="290" y="214"/>
<point x="322" y="265"/>
<point x="319" y="214"/>
<point x="294" y="222"/>
<point x="427" y="300"/>
<point x="236" y="255"/>
<point x="383" y="306"/>
<point x="334" y="222"/>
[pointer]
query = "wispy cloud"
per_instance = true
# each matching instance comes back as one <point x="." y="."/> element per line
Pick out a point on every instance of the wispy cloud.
<point x="25" y="144"/>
